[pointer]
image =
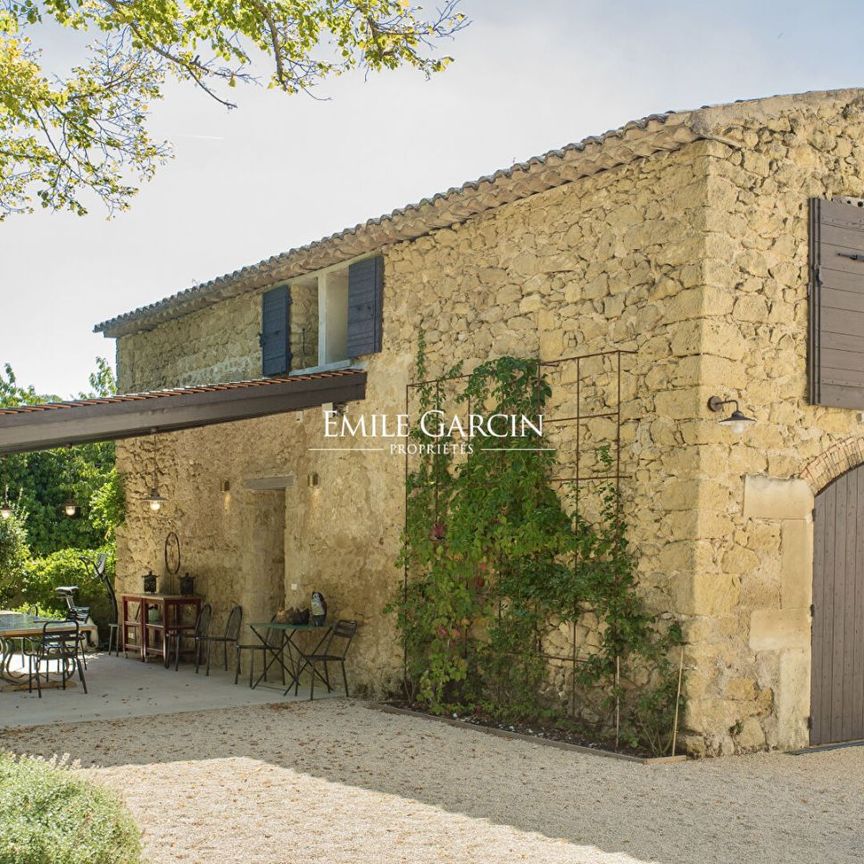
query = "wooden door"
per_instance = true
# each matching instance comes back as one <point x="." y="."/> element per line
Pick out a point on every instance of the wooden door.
<point x="837" y="675"/>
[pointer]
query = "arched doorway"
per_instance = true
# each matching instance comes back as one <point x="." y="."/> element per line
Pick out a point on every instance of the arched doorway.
<point x="837" y="671"/>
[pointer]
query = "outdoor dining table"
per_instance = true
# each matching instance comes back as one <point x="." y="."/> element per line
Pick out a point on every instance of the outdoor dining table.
<point x="15" y="627"/>
<point x="297" y="657"/>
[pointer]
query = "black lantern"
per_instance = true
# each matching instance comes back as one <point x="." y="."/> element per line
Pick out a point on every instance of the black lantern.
<point x="150" y="582"/>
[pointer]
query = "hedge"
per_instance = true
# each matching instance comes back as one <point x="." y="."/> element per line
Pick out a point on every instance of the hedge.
<point x="51" y="815"/>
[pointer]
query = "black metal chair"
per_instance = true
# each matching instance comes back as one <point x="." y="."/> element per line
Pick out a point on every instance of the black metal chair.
<point x="199" y="636"/>
<point x="272" y="642"/>
<point x="80" y="615"/>
<point x="342" y="633"/>
<point x="74" y="612"/>
<point x="231" y="635"/>
<point x="60" y="643"/>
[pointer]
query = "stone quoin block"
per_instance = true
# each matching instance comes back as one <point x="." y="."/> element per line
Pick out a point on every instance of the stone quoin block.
<point x="772" y="498"/>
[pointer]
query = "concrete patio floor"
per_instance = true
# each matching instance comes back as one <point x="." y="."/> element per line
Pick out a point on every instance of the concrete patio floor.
<point x="120" y="688"/>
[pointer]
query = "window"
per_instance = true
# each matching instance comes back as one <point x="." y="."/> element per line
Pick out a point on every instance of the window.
<point x="836" y="310"/>
<point x="336" y="314"/>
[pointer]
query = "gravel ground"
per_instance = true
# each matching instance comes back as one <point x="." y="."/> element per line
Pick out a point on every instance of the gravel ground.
<point x="336" y="782"/>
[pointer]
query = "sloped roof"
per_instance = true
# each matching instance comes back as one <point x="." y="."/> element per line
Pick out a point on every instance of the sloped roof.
<point x="639" y="138"/>
<point x="586" y="157"/>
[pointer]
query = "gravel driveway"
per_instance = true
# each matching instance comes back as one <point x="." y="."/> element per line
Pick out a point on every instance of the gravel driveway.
<point x="336" y="782"/>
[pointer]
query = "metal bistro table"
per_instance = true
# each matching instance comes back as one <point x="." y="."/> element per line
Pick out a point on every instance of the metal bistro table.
<point x="15" y="627"/>
<point x="296" y="655"/>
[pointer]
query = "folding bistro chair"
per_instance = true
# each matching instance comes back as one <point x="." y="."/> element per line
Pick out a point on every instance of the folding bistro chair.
<point x="74" y="612"/>
<point x="59" y="643"/>
<point x="272" y="643"/>
<point x="231" y="635"/>
<point x="342" y="634"/>
<point x="199" y="636"/>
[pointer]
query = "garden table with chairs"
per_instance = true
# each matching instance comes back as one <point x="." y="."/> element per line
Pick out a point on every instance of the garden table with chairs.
<point x="277" y="642"/>
<point x="38" y="640"/>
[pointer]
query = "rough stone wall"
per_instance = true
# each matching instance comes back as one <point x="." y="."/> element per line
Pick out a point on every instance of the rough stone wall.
<point x="219" y="343"/>
<point x="215" y="344"/>
<point x="612" y="261"/>
<point x="697" y="260"/>
<point x="304" y="325"/>
<point x="748" y="603"/>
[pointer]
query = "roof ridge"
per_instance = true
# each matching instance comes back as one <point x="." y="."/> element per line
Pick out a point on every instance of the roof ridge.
<point x="665" y="131"/>
<point x="119" y="325"/>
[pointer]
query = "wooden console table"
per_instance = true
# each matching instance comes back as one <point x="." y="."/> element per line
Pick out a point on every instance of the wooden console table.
<point x="146" y="634"/>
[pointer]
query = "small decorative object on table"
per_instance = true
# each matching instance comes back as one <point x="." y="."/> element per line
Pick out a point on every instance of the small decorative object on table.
<point x="187" y="585"/>
<point x="150" y="582"/>
<point x="293" y="616"/>
<point x="319" y="609"/>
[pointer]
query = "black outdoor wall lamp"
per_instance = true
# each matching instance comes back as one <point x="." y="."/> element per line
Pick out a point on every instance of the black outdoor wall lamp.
<point x="70" y="507"/>
<point x="736" y="421"/>
<point x="154" y="499"/>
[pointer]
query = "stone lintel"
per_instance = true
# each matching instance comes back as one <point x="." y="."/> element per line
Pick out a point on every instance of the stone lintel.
<point x="274" y="483"/>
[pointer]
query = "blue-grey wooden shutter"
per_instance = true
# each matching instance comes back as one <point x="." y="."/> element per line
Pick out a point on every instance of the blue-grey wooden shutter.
<point x="365" y="289"/>
<point x="276" y="331"/>
<point x="836" y="308"/>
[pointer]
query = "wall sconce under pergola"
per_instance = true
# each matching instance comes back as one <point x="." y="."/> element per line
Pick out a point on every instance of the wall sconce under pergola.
<point x="736" y="421"/>
<point x="154" y="499"/>
<point x="70" y="507"/>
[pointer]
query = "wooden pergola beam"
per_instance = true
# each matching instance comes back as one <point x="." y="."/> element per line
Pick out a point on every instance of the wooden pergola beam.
<point x="59" y="424"/>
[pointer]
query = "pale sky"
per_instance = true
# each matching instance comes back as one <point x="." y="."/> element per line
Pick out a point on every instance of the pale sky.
<point x="281" y="171"/>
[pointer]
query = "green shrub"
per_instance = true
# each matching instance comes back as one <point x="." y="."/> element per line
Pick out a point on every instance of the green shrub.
<point x="48" y="815"/>
<point x="13" y="552"/>
<point x="42" y="576"/>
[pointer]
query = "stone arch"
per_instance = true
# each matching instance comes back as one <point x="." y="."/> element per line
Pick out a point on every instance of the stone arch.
<point x="836" y="460"/>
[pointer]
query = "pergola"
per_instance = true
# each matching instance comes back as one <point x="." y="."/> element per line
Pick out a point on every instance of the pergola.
<point x="56" y="424"/>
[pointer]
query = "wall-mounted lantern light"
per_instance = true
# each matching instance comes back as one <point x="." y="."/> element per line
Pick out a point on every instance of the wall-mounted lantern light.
<point x="312" y="480"/>
<point x="154" y="499"/>
<point x="736" y="421"/>
<point x="70" y="507"/>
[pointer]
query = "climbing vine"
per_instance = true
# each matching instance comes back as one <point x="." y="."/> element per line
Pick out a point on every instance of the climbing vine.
<point x="496" y="556"/>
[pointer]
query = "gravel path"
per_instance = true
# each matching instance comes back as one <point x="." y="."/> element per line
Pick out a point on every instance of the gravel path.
<point x="336" y="782"/>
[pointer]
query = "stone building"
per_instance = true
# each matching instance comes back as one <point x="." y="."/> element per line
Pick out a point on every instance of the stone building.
<point x="687" y="238"/>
